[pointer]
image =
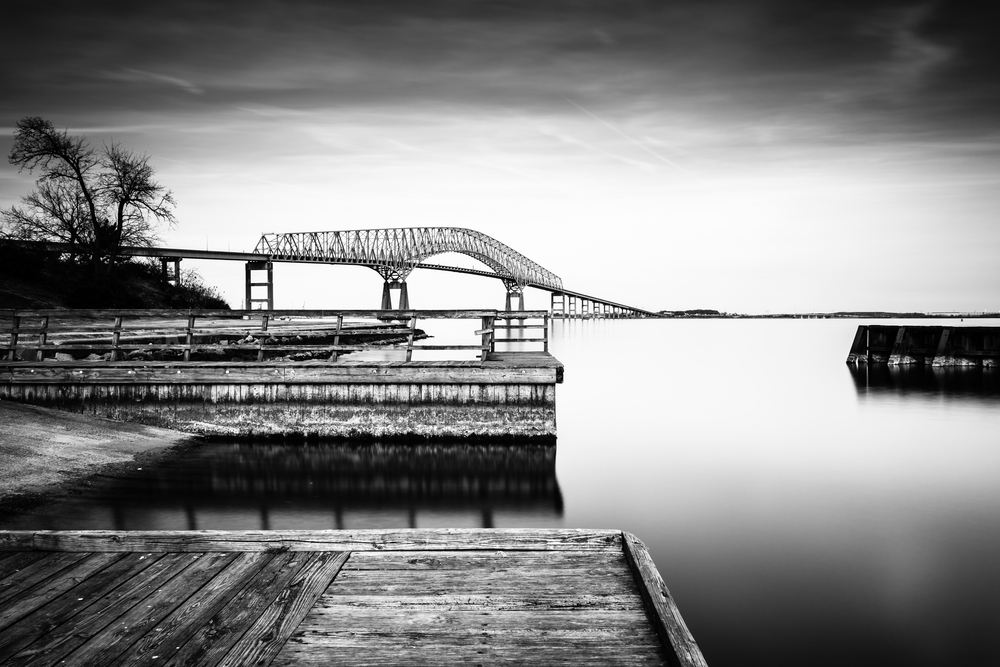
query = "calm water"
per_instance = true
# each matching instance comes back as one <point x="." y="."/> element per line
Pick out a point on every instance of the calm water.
<point x="799" y="511"/>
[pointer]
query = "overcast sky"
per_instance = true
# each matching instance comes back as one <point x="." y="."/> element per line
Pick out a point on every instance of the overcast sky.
<point x="747" y="156"/>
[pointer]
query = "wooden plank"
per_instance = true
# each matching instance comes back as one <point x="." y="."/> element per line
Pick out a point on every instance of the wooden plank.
<point x="474" y="561"/>
<point x="105" y="646"/>
<point x="29" y="576"/>
<point x="511" y="581"/>
<point x="447" y="539"/>
<point x="17" y="560"/>
<point x="214" y="639"/>
<point x="373" y="622"/>
<point x="498" y="359"/>
<point x="63" y="639"/>
<point x="431" y="653"/>
<point x="183" y="623"/>
<point x="436" y="648"/>
<point x="268" y="635"/>
<point x="663" y="612"/>
<point x="60" y="610"/>
<point x="520" y="602"/>
<point x="24" y="604"/>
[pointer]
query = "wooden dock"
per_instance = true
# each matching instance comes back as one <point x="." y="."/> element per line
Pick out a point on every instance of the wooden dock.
<point x="367" y="597"/>
<point x="285" y="373"/>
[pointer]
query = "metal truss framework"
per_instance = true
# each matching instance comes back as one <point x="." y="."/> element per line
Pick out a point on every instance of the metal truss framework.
<point x="394" y="253"/>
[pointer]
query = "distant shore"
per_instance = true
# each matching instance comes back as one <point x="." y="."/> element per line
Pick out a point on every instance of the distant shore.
<point x="859" y="314"/>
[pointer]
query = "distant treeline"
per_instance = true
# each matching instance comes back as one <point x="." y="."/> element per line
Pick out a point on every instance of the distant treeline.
<point x="869" y="314"/>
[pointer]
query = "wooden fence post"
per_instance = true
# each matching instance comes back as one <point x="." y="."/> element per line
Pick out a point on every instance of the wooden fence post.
<point x="42" y="338"/>
<point x="190" y="337"/>
<point x="116" y="335"/>
<point x="15" y="330"/>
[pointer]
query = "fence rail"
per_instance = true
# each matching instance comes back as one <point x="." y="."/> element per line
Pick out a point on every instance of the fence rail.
<point x="130" y="335"/>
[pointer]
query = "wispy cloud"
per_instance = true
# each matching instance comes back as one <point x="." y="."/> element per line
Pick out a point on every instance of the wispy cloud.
<point x="138" y="75"/>
<point x="627" y="137"/>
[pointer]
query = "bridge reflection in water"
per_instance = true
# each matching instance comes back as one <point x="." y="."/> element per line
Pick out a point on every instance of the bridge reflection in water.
<point x="268" y="485"/>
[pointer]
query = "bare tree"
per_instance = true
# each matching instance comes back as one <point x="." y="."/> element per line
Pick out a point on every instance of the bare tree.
<point x="54" y="212"/>
<point x="97" y="200"/>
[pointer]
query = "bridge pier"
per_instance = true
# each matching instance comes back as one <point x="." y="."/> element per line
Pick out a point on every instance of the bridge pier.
<point x="511" y="294"/>
<point x="165" y="275"/>
<point x="404" y="297"/>
<point x="561" y="311"/>
<point x="269" y="284"/>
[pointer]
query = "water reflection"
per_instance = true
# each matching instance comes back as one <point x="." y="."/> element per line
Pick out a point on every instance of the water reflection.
<point x="949" y="382"/>
<point x="266" y="485"/>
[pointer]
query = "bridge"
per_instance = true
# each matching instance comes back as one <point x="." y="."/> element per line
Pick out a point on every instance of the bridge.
<point x="394" y="253"/>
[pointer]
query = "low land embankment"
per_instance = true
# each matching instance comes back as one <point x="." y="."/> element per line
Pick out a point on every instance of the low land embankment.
<point x="43" y="451"/>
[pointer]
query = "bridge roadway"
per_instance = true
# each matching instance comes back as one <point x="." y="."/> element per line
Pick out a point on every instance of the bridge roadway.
<point x="570" y="303"/>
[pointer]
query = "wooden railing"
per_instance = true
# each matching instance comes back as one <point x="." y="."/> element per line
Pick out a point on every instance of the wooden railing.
<point x="33" y="336"/>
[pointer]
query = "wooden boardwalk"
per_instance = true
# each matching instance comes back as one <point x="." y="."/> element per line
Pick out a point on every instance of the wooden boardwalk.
<point x="370" y="597"/>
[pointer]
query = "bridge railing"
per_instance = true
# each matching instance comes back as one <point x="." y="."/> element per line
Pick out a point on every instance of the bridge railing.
<point x="285" y="336"/>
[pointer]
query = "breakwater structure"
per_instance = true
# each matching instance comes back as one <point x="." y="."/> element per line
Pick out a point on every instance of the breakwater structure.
<point x="928" y="345"/>
<point x="365" y="597"/>
<point x="292" y="373"/>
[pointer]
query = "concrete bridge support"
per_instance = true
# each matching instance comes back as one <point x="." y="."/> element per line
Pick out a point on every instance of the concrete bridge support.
<point x="404" y="297"/>
<point x="168" y="277"/>
<point x="262" y="303"/>
<point x="513" y="295"/>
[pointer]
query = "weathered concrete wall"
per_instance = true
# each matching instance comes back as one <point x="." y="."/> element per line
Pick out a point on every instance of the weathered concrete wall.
<point x="897" y="345"/>
<point x="320" y="410"/>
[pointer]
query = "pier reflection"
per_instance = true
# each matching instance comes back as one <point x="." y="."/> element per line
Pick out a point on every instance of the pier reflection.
<point x="270" y="486"/>
<point x="957" y="382"/>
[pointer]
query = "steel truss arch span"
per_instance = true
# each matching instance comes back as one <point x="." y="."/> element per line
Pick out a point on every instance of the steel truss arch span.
<point x="394" y="253"/>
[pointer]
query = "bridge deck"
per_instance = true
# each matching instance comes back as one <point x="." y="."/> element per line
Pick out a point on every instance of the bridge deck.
<point x="377" y="597"/>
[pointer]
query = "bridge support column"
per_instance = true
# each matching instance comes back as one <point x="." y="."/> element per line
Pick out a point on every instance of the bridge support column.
<point x="165" y="274"/>
<point x="268" y="303"/>
<point x="511" y="295"/>
<point x="561" y="310"/>
<point x="404" y="297"/>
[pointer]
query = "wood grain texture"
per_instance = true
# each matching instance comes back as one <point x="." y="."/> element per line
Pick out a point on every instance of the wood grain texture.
<point x="383" y="597"/>
<point x="663" y="611"/>
<point x="538" y="579"/>
<point x="53" y="587"/>
<point x="442" y="649"/>
<point x="275" y="625"/>
<point x="182" y="624"/>
<point x="476" y="561"/>
<point x="59" y="611"/>
<point x="105" y="646"/>
<point x="18" y="557"/>
<point x="216" y="637"/>
<point x="34" y="574"/>
<point x="62" y="640"/>
<point x="441" y="539"/>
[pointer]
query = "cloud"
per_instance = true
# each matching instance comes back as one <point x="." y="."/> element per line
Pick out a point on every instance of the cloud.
<point x="137" y="75"/>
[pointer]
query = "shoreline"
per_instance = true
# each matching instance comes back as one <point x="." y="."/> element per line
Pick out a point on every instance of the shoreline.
<point x="47" y="454"/>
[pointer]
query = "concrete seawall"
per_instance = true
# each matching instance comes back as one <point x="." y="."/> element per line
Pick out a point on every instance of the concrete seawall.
<point x="311" y="410"/>
<point x="927" y="345"/>
<point x="511" y="394"/>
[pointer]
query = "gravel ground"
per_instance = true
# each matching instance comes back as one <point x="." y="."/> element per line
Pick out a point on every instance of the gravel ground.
<point x="43" y="452"/>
